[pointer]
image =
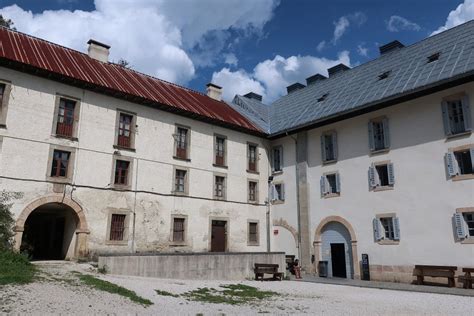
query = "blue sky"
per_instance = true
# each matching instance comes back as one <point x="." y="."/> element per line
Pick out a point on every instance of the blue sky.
<point x="243" y="45"/>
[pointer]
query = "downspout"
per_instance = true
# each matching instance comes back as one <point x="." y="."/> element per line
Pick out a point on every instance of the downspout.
<point x="297" y="176"/>
<point x="268" y="201"/>
<point x="134" y="207"/>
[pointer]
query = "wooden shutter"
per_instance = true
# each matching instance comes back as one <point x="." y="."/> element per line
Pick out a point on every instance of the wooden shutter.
<point x="471" y="151"/>
<point x="322" y="183"/>
<point x="334" y="145"/>
<point x="372" y="177"/>
<point x="371" y="136"/>
<point x="280" y="152"/>
<point x="323" y="148"/>
<point x="282" y="192"/>
<point x="391" y="174"/>
<point x="460" y="228"/>
<point x="466" y="112"/>
<point x="451" y="164"/>
<point x="446" y="121"/>
<point x="377" y="229"/>
<point x="396" y="228"/>
<point x="273" y="193"/>
<point x="338" y="183"/>
<point x="386" y="133"/>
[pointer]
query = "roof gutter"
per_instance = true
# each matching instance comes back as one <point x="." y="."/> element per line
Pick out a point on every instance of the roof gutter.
<point x="380" y="104"/>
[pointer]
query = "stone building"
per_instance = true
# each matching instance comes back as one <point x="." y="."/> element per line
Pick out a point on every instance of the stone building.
<point x="374" y="160"/>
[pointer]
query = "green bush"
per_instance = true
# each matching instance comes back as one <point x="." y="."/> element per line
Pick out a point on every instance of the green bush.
<point x="15" y="268"/>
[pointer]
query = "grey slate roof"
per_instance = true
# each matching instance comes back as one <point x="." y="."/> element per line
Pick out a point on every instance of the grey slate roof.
<point x="360" y="87"/>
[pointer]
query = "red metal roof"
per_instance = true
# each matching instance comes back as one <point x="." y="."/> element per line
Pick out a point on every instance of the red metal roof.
<point x="66" y="62"/>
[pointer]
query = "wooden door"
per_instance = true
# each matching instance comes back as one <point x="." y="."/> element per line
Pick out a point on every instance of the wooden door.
<point x="338" y="260"/>
<point x="218" y="236"/>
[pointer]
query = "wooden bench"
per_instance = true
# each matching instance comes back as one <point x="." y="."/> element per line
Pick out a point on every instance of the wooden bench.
<point x="422" y="271"/>
<point x="267" y="268"/>
<point x="467" y="279"/>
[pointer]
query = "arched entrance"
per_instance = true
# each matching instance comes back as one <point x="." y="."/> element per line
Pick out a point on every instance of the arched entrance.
<point x="52" y="228"/>
<point x="335" y="242"/>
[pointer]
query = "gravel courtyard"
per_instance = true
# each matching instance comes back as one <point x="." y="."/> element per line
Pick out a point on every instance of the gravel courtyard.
<point x="57" y="291"/>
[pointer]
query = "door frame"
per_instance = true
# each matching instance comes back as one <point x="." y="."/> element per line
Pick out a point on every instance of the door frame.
<point x="344" y="263"/>
<point x="227" y="229"/>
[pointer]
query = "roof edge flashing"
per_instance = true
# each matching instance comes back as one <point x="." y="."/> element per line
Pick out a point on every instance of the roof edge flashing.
<point x="294" y="87"/>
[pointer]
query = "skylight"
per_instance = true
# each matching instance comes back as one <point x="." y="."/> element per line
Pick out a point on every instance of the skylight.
<point x="323" y="97"/>
<point x="433" y="57"/>
<point x="384" y="75"/>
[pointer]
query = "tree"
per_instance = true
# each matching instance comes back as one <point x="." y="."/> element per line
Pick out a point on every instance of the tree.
<point x="7" y="23"/>
<point x="6" y="219"/>
<point x="123" y="63"/>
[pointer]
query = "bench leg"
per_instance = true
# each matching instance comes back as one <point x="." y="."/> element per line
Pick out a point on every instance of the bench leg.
<point x="451" y="282"/>
<point x="419" y="280"/>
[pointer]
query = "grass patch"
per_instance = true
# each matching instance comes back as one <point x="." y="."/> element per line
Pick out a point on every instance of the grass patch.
<point x="113" y="288"/>
<point x="15" y="268"/>
<point x="233" y="294"/>
<point x="165" y="293"/>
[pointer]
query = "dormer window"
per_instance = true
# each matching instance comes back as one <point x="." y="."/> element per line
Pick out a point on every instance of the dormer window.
<point x="384" y="75"/>
<point x="323" y="97"/>
<point x="433" y="57"/>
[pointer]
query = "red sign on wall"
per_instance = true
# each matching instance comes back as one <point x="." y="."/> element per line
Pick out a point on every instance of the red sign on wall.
<point x="275" y="232"/>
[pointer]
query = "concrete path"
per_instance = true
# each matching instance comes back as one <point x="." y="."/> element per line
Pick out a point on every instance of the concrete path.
<point x="390" y="286"/>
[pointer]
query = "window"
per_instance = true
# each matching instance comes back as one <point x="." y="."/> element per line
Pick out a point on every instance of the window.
<point x="323" y="97"/>
<point x="65" y="119"/>
<point x="253" y="192"/>
<point x="2" y="91"/>
<point x="456" y="115"/>
<point x="330" y="185"/>
<point x="253" y="233"/>
<point x="219" y="187"/>
<point x="469" y="219"/>
<point x="433" y="57"/>
<point x="125" y="130"/>
<point x="181" y="142"/>
<point x="329" y="146"/>
<point x="460" y="162"/>
<point x="379" y="134"/>
<point x="252" y="158"/>
<point x="277" y="158"/>
<point x="121" y="172"/>
<point x="178" y="229"/>
<point x="180" y="181"/>
<point x="278" y="192"/>
<point x="384" y="75"/>
<point x="220" y="151"/>
<point x="60" y="164"/>
<point x="386" y="227"/>
<point x="117" y="227"/>
<point x="4" y="97"/>
<point x="381" y="175"/>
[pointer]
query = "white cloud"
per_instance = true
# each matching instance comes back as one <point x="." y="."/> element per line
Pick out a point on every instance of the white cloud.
<point x="344" y="22"/>
<point x="271" y="77"/>
<point x="397" y="23"/>
<point x="321" y="46"/>
<point x="362" y="50"/>
<point x="165" y="38"/>
<point x="463" y="13"/>
<point x="231" y="60"/>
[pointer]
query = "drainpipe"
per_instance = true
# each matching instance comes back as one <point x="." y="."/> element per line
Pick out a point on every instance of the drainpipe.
<point x="297" y="179"/>
<point x="134" y="207"/>
<point x="268" y="217"/>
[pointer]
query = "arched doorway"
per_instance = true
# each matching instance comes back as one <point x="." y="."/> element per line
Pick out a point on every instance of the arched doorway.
<point x="335" y="243"/>
<point x="52" y="228"/>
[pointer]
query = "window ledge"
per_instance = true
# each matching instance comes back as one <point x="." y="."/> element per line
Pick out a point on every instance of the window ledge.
<point x="4" y="126"/>
<point x="462" y="134"/>
<point x="252" y="202"/>
<point x="71" y="138"/>
<point x="217" y="198"/>
<point x="468" y="240"/>
<point x="178" y="243"/>
<point x="379" y="151"/>
<point x="253" y="244"/>
<point x="116" y="242"/>
<point x="276" y="173"/>
<point x="179" y="193"/>
<point x="62" y="180"/>
<point x="331" y="195"/>
<point x="329" y="162"/>
<point x="388" y="242"/>
<point x="382" y="188"/>
<point x="276" y="202"/>
<point x="252" y="171"/>
<point x="121" y="187"/>
<point x="182" y="159"/>
<point x="461" y="177"/>
<point x="124" y="148"/>
<point x="220" y="166"/>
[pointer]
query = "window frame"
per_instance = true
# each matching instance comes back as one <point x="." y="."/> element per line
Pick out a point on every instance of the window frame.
<point x="468" y="238"/>
<point x="282" y="188"/>
<point x="256" y="158"/>
<point x="445" y="113"/>
<point x="455" y="175"/>
<point x="257" y="233"/>
<point x="224" y="158"/>
<point x="126" y="231"/>
<point x="129" y="174"/>
<point x="280" y="158"/>
<point x="186" y="181"/>
<point x="4" y="102"/>
<point x="333" y="135"/>
<point x="172" y="240"/>
<point x="384" y="240"/>
<point x="386" y="135"/>
<point x="188" y="142"/>
<point x="378" y="186"/>
<point x="75" y="120"/>
<point x="133" y="130"/>
<point x="224" y="186"/>
<point x="70" y="167"/>
<point x="256" y="193"/>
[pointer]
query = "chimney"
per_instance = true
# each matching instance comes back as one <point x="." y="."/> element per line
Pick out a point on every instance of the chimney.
<point x="98" y="51"/>
<point x="253" y="95"/>
<point x="390" y="47"/>
<point x="314" y="78"/>
<point x="214" y="91"/>
<point x="337" y="69"/>
<point x="294" y="87"/>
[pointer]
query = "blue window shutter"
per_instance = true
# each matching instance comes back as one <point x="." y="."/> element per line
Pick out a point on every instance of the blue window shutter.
<point x="377" y="229"/>
<point x="281" y="157"/>
<point x="338" y="183"/>
<point x="451" y="164"/>
<point x="273" y="193"/>
<point x="386" y="133"/>
<point x="459" y="223"/>
<point x="372" y="181"/>
<point x="472" y="156"/>
<point x="371" y="136"/>
<point x="391" y="174"/>
<point x="334" y="145"/>
<point x="282" y="195"/>
<point x="323" y="148"/>
<point x="466" y="112"/>
<point x="396" y="228"/>
<point x="446" y="120"/>
<point x="322" y="183"/>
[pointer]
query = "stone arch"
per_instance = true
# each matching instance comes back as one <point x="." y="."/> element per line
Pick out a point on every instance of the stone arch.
<point x="348" y="226"/>
<point x="82" y="229"/>
<point x="283" y="223"/>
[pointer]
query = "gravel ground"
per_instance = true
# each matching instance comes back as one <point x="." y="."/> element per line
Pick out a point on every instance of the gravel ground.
<point x="57" y="292"/>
